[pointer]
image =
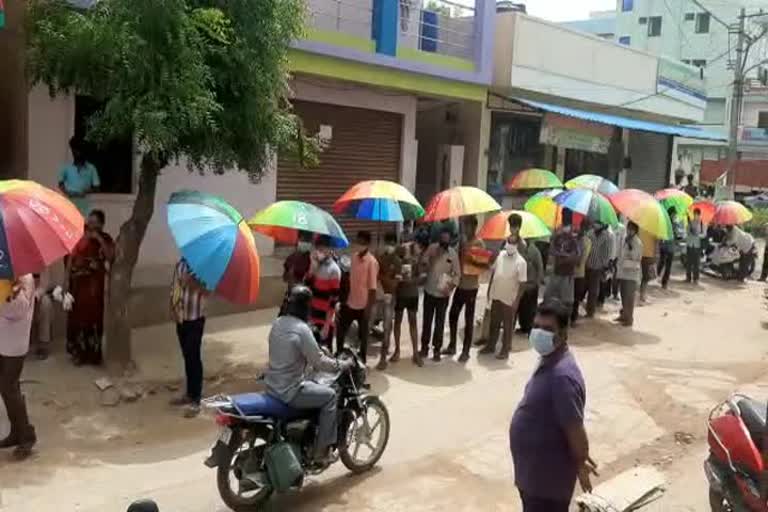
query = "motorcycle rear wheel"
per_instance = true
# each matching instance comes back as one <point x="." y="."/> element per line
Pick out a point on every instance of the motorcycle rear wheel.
<point x="227" y="474"/>
<point x="362" y="432"/>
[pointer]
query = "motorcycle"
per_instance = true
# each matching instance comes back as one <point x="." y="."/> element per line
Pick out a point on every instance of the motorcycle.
<point x="724" y="262"/>
<point x="255" y="426"/>
<point x="735" y="464"/>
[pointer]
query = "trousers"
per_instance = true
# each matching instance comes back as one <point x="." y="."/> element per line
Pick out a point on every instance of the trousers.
<point x="664" y="265"/>
<point x="348" y="315"/>
<point x="312" y="395"/>
<point x="190" y="333"/>
<point x="462" y="299"/>
<point x="44" y="319"/>
<point x="502" y="314"/>
<point x="579" y="292"/>
<point x="534" y="504"/>
<point x="527" y="308"/>
<point x="434" y="313"/>
<point x="594" y="281"/>
<point x="15" y="406"/>
<point x="628" y="288"/>
<point x="692" y="264"/>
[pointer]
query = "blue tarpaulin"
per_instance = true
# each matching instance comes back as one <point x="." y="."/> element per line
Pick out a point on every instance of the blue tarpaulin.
<point x="626" y="122"/>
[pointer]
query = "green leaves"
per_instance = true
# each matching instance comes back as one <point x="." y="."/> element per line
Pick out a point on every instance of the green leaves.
<point x="203" y="80"/>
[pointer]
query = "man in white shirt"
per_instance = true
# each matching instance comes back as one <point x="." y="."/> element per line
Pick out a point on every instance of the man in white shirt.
<point x="15" y="326"/>
<point x="510" y="273"/>
<point x="745" y="243"/>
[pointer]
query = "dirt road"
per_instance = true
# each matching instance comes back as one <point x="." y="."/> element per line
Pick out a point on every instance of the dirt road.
<point x="647" y="389"/>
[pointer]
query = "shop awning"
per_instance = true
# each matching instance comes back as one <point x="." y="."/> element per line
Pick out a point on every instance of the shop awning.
<point x="626" y="122"/>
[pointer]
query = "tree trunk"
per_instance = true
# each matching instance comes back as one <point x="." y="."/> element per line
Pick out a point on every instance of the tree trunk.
<point x="118" y="321"/>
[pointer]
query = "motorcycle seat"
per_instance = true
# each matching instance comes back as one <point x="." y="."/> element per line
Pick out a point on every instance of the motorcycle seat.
<point x="753" y="416"/>
<point x="263" y="404"/>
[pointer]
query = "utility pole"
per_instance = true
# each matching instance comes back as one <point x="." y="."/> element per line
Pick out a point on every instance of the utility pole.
<point x="736" y="104"/>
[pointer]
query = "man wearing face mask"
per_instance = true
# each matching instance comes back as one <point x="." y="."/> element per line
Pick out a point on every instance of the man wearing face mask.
<point x="565" y="251"/>
<point x="389" y="277"/>
<point x="549" y="445"/>
<point x="696" y="232"/>
<point x="296" y="265"/>
<point x="597" y="264"/>
<point x="324" y="280"/>
<point x="443" y="274"/>
<point x="629" y="272"/>
<point x="363" y="282"/>
<point x="510" y="273"/>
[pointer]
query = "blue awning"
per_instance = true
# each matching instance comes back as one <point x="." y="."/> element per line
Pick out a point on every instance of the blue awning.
<point x="627" y="122"/>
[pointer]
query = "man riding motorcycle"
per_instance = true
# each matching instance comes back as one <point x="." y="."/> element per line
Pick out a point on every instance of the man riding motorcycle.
<point x="292" y="350"/>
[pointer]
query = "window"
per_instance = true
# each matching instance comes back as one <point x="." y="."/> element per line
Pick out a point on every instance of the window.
<point x="113" y="160"/>
<point x="702" y="23"/>
<point x="642" y="20"/>
<point x="654" y="26"/>
<point x="699" y="63"/>
<point x="762" y="119"/>
<point x="624" y="40"/>
<point x="690" y="16"/>
<point x="627" y="5"/>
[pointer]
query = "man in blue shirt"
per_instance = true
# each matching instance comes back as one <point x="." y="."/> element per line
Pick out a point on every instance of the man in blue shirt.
<point x="549" y="445"/>
<point x="80" y="178"/>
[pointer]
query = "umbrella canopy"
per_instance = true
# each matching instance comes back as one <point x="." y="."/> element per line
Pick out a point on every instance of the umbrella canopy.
<point x="497" y="227"/>
<point x="283" y="220"/>
<point x="588" y="203"/>
<point x="645" y="211"/>
<point x="379" y="200"/>
<point x="532" y="179"/>
<point x="545" y="208"/>
<point x="37" y="227"/>
<point x="674" y="198"/>
<point x="707" y="209"/>
<point x="216" y="243"/>
<point x="730" y="213"/>
<point x="459" y="201"/>
<point x="594" y="183"/>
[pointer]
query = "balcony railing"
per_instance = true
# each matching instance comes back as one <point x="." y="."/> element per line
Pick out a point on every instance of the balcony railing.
<point x="352" y="17"/>
<point x="439" y="26"/>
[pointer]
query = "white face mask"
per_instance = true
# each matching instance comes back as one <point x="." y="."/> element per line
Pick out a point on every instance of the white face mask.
<point x="511" y="249"/>
<point x="390" y="249"/>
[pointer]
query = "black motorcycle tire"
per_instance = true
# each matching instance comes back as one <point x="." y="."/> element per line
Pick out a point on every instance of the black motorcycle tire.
<point x="347" y="459"/>
<point x="230" y="499"/>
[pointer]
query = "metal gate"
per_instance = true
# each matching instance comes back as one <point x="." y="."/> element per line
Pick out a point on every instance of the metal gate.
<point x="365" y="145"/>
<point x="650" y="154"/>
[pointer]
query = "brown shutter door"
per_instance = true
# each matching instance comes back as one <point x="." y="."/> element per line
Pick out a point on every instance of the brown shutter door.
<point x="365" y="146"/>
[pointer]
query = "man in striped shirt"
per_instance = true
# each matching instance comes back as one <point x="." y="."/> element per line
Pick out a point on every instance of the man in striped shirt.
<point x="188" y="297"/>
<point x="324" y="279"/>
<point x="597" y="264"/>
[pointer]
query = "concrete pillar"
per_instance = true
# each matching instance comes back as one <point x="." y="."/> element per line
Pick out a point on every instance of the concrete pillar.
<point x="475" y="122"/>
<point x="13" y="94"/>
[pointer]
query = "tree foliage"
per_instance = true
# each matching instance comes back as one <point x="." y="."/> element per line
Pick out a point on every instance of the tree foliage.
<point x="201" y="79"/>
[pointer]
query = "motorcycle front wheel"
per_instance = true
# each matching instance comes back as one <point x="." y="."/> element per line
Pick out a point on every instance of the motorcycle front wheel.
<point x="245" y="457"/>
<point x="366" y="436"/>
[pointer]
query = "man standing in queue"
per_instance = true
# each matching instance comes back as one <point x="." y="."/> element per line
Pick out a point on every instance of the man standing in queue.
<point x="549" y="445"/>
<point x="443" y="274"/>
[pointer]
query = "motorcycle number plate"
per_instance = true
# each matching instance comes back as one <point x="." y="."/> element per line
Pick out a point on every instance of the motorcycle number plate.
<point x="225" y="435"/>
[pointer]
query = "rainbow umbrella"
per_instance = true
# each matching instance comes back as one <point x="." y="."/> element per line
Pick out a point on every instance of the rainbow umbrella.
<point x="592" y="182"/>
<point x="729" y="213"/>
<point x="379" y="200"/>
<point x="645" y="211"/>
<point x="545" y="208"/>
<point x="216" y="243"/>
<point x="459" y="201"/>
<point x="37" y="227"/>
<point x="532" y="179"/>
<point x="283" y="220"/>
<point x="707" y="209"/>
<point x="674" y="198"/>
<point x="588" y="203"/>
<point x="497" y="227"/>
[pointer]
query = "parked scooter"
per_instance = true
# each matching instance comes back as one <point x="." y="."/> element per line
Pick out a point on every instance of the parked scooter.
<point x="265" y="446"/>
<point x="735" y="465"/>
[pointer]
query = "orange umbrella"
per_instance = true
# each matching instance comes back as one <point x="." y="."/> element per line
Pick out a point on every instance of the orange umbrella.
<point x="707" y="209"/>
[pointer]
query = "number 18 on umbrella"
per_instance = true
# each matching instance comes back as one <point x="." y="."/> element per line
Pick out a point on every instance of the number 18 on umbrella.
<point x="216" y="243"/>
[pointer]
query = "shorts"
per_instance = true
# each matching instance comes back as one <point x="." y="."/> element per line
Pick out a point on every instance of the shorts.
<point x="409" y="303"/>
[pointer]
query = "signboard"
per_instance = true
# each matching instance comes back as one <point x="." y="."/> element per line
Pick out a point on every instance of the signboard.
<point x="682" y="82"/>
<point x="572" y="133"/>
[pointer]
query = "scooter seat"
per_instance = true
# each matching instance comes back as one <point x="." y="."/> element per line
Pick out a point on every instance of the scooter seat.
<point x="753" y="416"/>
<point x="262" y="404"/>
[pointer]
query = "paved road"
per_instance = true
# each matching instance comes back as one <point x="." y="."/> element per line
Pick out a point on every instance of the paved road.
<point x="448" y="447"/>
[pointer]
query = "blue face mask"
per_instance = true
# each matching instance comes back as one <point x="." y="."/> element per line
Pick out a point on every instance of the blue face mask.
<point x="542" y="341"/>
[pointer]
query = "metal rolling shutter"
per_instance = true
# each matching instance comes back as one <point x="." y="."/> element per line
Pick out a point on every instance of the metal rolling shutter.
<point x="365" y="146"/>
<point x="650" y="153"/>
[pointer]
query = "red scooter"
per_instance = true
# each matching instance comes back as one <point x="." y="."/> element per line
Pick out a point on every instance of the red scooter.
<point x="735" y="464"/>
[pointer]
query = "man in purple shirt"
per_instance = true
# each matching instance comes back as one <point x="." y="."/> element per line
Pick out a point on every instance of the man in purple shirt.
<point x="549" y="445"/>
